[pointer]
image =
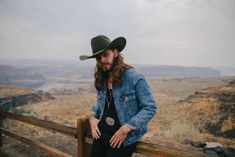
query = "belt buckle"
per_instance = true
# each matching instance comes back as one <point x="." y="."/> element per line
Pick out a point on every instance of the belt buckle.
<point x="110" y="121"/>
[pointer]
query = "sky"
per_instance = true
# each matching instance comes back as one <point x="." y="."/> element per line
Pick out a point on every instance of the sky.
<point x="160" y="32"/>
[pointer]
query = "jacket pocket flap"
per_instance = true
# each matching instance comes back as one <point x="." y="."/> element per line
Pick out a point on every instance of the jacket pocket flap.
<point x="128" y="95"/>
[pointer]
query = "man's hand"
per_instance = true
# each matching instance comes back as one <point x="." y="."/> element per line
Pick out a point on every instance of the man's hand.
<point x="119" y="136"/>
<point x="94" y="128"/>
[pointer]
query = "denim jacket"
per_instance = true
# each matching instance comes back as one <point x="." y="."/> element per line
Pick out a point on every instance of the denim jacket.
<point x="134" y="104"/>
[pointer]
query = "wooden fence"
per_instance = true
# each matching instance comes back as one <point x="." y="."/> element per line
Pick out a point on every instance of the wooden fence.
<point x="84" y="139"/>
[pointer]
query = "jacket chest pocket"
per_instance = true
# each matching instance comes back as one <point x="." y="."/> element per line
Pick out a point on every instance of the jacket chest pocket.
<point x="128" y="100"/>
<point x="101" y="98"/>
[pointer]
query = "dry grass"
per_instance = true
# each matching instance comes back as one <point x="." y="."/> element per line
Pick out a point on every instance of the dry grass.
<point x="181" y="131"/>
<point x="64" y="110"/>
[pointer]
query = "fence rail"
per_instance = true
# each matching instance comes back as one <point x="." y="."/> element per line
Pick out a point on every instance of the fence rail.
<point x="41" y="146"/>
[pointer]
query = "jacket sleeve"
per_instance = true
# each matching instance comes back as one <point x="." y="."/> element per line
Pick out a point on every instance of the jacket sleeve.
<point x="95" y="108"/>
<point x="146" y="102"/>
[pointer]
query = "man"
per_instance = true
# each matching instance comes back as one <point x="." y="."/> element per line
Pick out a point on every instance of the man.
<point x="124" y="105"/>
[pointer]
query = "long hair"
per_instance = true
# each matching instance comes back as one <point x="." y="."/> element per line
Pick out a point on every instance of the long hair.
<point x="117" y="72"/>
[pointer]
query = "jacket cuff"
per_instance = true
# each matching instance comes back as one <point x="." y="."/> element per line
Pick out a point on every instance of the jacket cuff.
<point x="94" y="114"/>
<point x="131" y="126"/>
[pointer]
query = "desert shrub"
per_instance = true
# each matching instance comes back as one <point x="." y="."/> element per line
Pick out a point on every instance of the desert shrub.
<point x="180" y="131"/>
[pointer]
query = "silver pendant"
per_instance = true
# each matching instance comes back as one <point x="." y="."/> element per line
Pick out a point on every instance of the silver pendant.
<point x="110" y="121"/>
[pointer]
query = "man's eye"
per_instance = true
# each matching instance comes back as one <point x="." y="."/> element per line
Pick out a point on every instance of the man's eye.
<point x="105" y="54"/>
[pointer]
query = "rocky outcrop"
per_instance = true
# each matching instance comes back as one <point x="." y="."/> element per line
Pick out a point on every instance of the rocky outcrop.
<point x="212" y="110"/>
<point x="31" y="98"/>
<point x="11" y="96"/>
<point x="212" y="148"/>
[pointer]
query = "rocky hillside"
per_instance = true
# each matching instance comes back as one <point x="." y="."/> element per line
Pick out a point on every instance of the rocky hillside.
<point x="16" y="95"/>
<point x="212" y="110"/>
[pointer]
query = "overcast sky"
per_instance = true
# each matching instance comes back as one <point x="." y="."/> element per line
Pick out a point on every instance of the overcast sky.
<point x="162" y="32"/>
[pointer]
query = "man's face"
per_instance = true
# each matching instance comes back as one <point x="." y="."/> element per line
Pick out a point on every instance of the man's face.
<point x="105" y="59"/>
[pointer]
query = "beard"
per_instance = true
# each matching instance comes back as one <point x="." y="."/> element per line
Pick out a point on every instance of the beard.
<point x="106" y="70"/>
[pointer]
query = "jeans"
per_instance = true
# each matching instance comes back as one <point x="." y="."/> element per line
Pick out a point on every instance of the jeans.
<point x="101" y="148"/>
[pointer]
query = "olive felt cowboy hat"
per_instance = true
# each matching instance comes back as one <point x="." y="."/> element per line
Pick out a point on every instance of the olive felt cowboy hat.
<point x="101" y="43"/>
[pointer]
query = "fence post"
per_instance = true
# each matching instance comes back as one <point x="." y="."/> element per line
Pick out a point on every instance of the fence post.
<point x="83" y="129"/>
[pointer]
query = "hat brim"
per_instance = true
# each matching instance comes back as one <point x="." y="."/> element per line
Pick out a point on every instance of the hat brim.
<point x="118" y="43"/>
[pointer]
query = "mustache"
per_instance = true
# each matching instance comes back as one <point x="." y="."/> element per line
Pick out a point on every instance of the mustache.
<point x="105" y="64"/>
<point x="115" y="61"/>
